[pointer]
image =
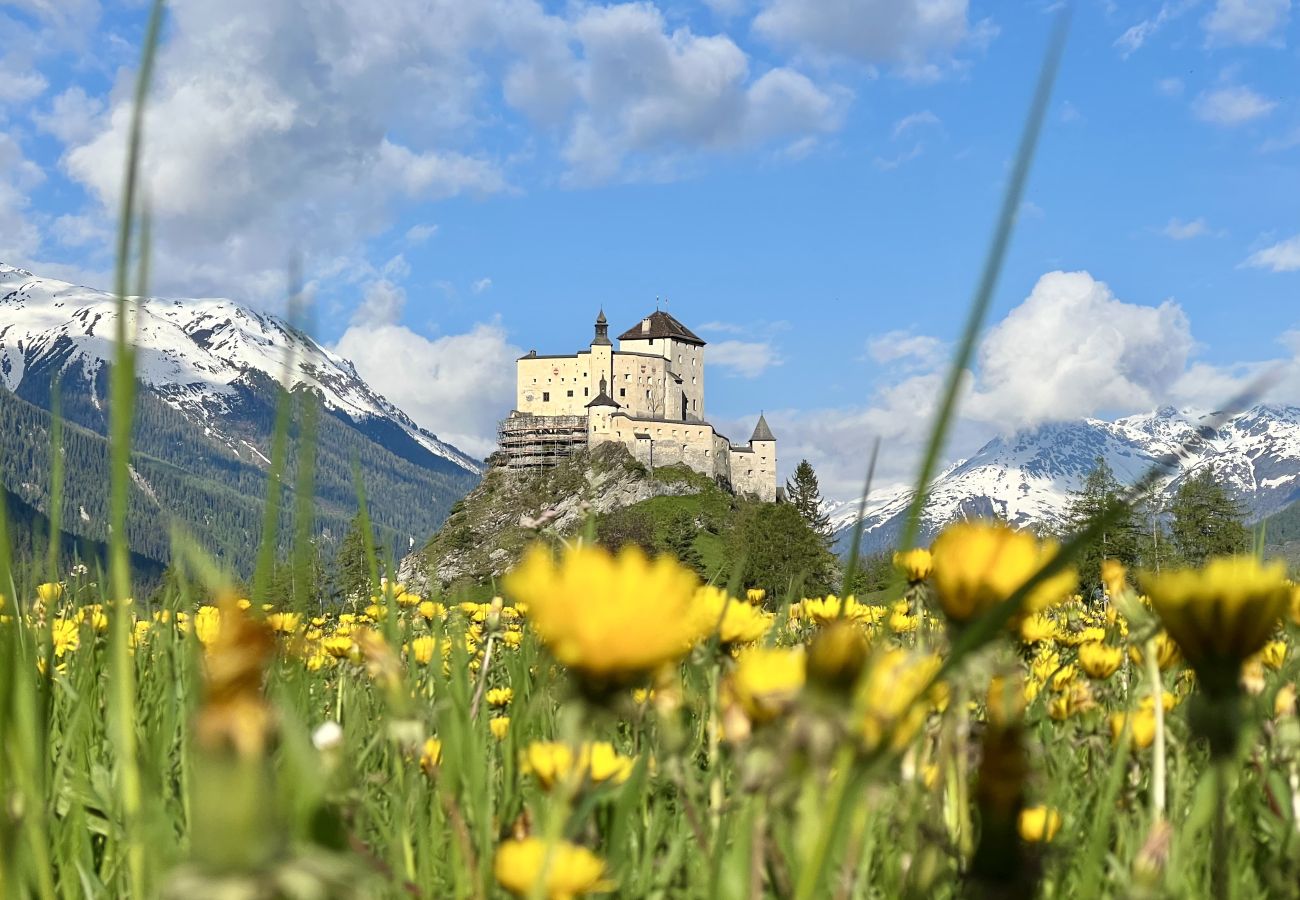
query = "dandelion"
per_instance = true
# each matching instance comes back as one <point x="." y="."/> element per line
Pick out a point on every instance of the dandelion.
<point x="499" y="726"/>
<point x="1220" y="615"/>
<point x="1141" y="724"/>
<point x="1098" y="660"/>
<point x="564" y="870"/>
<point x="284" y="623"/>
<point x="1167" y="652"/>
<point x="431" y="610"/>
<point x="979" y="565"/>
<point x="756" y="596"/>
<point x="914" y="564"/>
<point x="890" y="695"/>
<point x="1039" y="824"/>
<point x="498" y="697"/>
<point x="1273" y="654"/>
<point x="734" y="622"/>
<point x="49" y="593"/>
<point x="1037" y="629"/>
<point x="207" y="624"/>
<point x="66" y="635"/>
<point x="766" y="681"/>
<point x="431" y="755"/>
<point x="421" y="648"/>
<point x="551" y="763"/>
<point x="836" y="655"/>
<point x="611" y="619"/>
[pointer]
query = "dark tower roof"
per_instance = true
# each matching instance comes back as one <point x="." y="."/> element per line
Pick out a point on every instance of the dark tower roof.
<point x="602" y="331"/>
<point x="761" y="431"/>
<point x="603" y="398"/>
<point x="661" y="325"/>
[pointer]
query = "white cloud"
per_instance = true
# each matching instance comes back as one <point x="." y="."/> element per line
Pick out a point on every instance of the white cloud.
<point x="72" y="117"/>
<point x="918" y="36"/>
<point x="457" y="386"/>
<point x="1245" y="22"/>
<point x="1178" y="230"/>
<point x="418" y="234"/>
<point x="1132" y="40"/>
<point x="746" y="359"/>
<point x="913" y="350"/>
<point x="1170" y="87"/>
<point x="1231" y="106"/>
<point x="20" y="237"/>
<point x="1284" y="256"/>
<point x="647" y="92"/>
<point x="481" y="285"/>
<point x="1074" y="349"/>
<point x="912" y="121"/>
<point x="382" y="304"/>
<point x="19" y="87"/>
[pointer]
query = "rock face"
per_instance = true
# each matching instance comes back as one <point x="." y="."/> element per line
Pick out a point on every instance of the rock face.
<point x="486" y="533"/>
<point x="1028" y="477"/>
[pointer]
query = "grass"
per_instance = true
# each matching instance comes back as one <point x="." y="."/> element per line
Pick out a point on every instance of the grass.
<point x="208" y="748"/>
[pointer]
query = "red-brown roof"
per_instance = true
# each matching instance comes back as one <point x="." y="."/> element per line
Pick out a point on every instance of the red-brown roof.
<point x="662" y="325"/>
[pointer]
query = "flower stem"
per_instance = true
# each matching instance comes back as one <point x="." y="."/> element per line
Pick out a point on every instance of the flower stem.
<point x="1158" y="745"/>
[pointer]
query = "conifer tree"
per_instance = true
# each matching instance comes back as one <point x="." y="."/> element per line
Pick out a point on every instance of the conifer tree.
<point x="805" y="495"/>
<point x="1100" y="495"/>
<point x="351" y="568"/>
<point x="679" y="540"/>
<point x="1206" y="521"/>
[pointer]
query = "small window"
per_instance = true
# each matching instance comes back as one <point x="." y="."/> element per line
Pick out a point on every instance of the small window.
<point x="627" y="376"/>
<point x="647" y="394"/>
<point x="652" y="342"/>
<point x="695" y="404"/>
<point x="546" y="396"/>
<point x="586" y="392"/>
<point x="570" y="393"/>
<point x="622" y="392"/>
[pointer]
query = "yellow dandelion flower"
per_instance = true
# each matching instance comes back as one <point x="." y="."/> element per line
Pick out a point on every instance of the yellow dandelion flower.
<point x="564" y="870"/>
<point x="1220" y="615"/>
<point x="612" y="619"/>
<point x="1039" y="824"/>
<point x="766" y="680"/>
<point x="1142" y="727"/>
<point x="890" y="698"/>
<point x="207" y="624"/>
<point x="978" y="565"/>
<point x="499" y="726"/>
<point x="285" y="623"/>
<point x="734" y="621"/>
<point x="915" y="564"/>
<point x="431" y="755"/>
<point x="836" y="655"/>
<point x="1098" y="660"/>
<point x="500" y="696"/>
<point x="598" y="762"/>
<point x="49" y="593"/>
<point x="66" y="635"/>
<point x="1037" y="628"/>
<point x="1070" y="701"/>
<point x="421" y="648"/>
<point x="431" y="610"/>
<point x="1273" y="654"/>
<point x="756" y="596"/>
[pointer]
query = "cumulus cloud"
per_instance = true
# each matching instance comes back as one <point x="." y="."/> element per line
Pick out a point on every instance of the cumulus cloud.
<point x="1231" y="106"/>
<point x="1178" y="230"/>
<point x="457" y="386"/>
<point x="1072" y="348"/>
<point x="20" y="238"/>
<point x="1134" y="37"/>
<point x="905" y="347"/>
<point x="746" y="359"/>
<point x="418" y="234"/>
<point x="72" y="117"/>
<point x="919" y="37"/>
<point x="382" y="304"/>
<point x="1284" y="256"/>
<point x="1246" y="22"/>
<point x="645" y="90"/>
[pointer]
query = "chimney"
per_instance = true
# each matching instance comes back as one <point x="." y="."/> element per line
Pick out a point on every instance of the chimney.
<point x="645" y="325"/>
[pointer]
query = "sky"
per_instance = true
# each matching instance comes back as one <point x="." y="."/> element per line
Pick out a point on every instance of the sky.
<point x="810" y="185"/>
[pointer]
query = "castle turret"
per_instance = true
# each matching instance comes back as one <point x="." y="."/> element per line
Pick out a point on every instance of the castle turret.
<point x="601" y="369"/>
<point x="602" y="331"/>
<point x="753" y="467"/>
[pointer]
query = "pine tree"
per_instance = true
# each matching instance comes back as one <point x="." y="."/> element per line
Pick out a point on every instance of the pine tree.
<point x="775" y="546"/>
<point x="679" y="540"/>
<point x="1100" y="495"/>
<point x="1206" y="521"/>
<point x="805" y="495"/>
<point x="351" y="568"/>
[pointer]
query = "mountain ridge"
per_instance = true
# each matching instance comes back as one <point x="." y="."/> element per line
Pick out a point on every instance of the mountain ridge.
<point x="1027" y="477"/>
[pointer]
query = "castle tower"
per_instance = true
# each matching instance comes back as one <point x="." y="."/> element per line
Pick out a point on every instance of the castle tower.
<point x="763" y="461"/>
<point x="601" y="370"/>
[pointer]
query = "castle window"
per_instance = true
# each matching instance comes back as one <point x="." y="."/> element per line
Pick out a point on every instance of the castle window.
<point x="586" y="392"/>
<point x="546" y="396"/>
<point x="622" y="392"/>
<point x="570" y="393"/>
<point x="695" y="404"/>
<point x="647" y="394"/>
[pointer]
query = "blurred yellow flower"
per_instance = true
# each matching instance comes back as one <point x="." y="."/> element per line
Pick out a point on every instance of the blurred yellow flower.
<point x="610" y="618"/>
<point x="766" y="680"/>
<point x="836" y="655"/>
<point x="831" y="608"/>
<point x="551" y="762"/>
<point x="890" y="700"/>
<point x="1221" y="614"/>
<point x="978" y="565"/>
<point x="421" y="647"/>
<point x="1142" y="727"/>
<point x="914" y="564"/>
<point x="1074" y="698"/>
<point x="1037" y="628"/>
<point x="285" y="623"/>
<point x="756" y="596"/>
<point x="499" y="726"/>
<point x="431" y="755"/>
<point x="207" y="624"/>
<point x="500" y="696"/>
<point x="431" y="610"/>
<point x="1273" y="654"/>
<point x="564" y="870"/>
<point x="1039" y="824"/>
<point x="1006" y="699"/>
<point x="50" y="593"/>
<point x="1099" y="660"/>
<point x="66" y="635"/>
<point x="734" y="621"/>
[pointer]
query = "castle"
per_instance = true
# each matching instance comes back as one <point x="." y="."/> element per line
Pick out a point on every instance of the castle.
<point x="647" y="395"/>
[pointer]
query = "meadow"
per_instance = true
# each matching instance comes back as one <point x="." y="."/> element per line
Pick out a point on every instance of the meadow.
<point x="607" y="724"/>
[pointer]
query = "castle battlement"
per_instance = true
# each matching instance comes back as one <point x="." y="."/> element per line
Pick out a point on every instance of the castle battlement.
<point x="648" y="395"/>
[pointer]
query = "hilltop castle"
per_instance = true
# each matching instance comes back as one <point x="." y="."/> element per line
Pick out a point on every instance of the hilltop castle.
<point x="648" y="395"/>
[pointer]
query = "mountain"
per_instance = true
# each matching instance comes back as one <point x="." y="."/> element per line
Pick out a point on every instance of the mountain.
<point x="1028" y="477"/>
<point x="209" y="374"/>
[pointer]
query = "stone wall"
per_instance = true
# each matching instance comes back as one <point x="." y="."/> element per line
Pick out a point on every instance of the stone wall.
<point x="753" y="470"/>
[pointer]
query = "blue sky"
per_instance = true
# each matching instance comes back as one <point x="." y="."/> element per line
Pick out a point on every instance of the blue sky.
<point x="811" y="185"/>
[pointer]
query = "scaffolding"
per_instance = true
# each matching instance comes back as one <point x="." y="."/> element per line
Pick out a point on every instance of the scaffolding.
<point x="539" y="442"/>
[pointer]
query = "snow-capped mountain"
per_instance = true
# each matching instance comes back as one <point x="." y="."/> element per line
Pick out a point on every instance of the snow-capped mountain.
<point x="1029" y="476"/>
<point x="196" y="354"/>
<point x="208" y="372"/>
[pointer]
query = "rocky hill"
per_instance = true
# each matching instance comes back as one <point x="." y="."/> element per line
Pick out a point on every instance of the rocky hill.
<point x="487" y="531"/>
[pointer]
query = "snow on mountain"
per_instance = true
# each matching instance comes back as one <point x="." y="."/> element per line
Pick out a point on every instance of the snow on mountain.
<point x="196" y="354"/>
<point x="1028" y="477"/>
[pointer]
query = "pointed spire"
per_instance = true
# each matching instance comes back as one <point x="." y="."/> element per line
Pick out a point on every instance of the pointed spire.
<point x="602" y="331"/>
<point x="761" y="431"/>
